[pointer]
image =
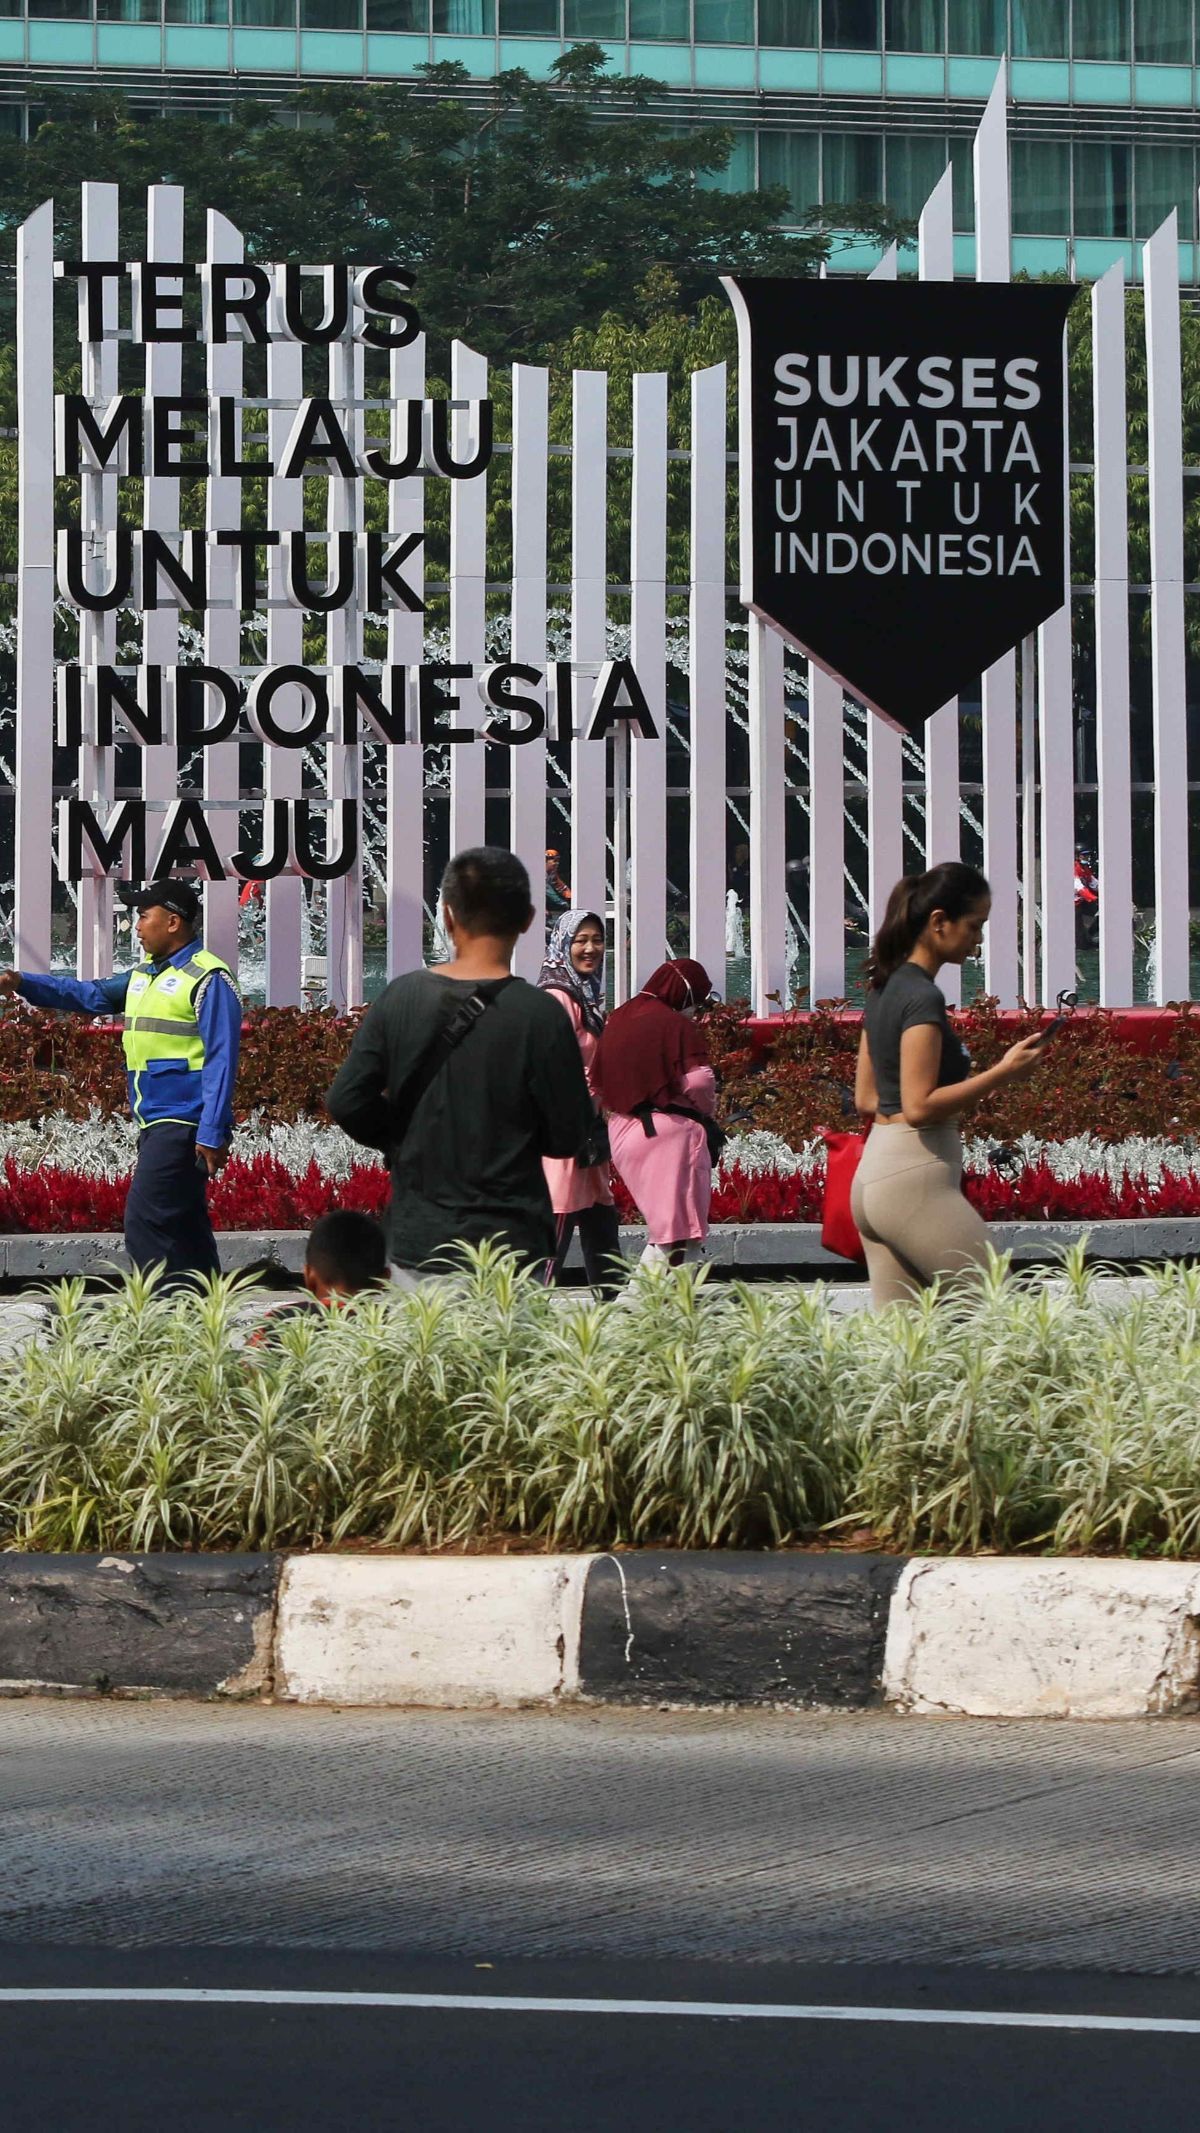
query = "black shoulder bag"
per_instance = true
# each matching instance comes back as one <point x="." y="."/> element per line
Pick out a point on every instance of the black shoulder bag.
<point x="469" y="1012"/>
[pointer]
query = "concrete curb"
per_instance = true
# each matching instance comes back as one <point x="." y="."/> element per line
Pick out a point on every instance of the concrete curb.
<point x="750" y="1247"/>
<point x="130" y="1625"/>
<point x="982" y="1637"/>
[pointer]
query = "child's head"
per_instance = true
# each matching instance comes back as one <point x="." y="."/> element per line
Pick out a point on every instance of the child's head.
<point x="345" y="1254"/>
<point x="485" y="892"/>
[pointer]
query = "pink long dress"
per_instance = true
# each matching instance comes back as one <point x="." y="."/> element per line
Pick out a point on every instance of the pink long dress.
<point x="669" y="1172"/>
<point x="572" y="1189"/>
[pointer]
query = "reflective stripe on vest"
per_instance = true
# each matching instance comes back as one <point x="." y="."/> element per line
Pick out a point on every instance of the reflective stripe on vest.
<point x="160" y="1020"/>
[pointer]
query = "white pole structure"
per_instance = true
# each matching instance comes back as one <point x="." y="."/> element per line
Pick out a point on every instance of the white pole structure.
<point x="468" y="592"/>
<point x="648" y="651"/>
<point x="1029" y="820"/>
<point x="98" y="515"/>
<point x="943" y="834"/>
<point x="589" y="612"/>
<point x="706" y="676"/>
<point x="527" y="764"/>
<point x="1167" y="660"/>
<point x="993" y="263"/>
<point x="405" y="862"/>
<point x="344" y="647"/>
<point x="283" y="768"/>
<point x="768" y="878"/>
<point x="1111" y="516"/>
<point x="826" y="838"/>
<point x="885" y="766"/>
<point x="161" y="510"/>
<point x="1056" y="738"/>
<point x="34" y="804"/>
<point x="223" y="619"/>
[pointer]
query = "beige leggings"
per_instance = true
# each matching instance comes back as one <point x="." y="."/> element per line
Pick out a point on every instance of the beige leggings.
<point x="907" y="1201"/>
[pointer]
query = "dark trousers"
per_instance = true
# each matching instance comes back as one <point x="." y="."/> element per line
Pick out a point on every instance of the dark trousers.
<point x="600" y="1242"/>
<point x="166" y="1214"/>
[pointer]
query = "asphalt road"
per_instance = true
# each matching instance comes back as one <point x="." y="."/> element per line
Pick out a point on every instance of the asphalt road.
<point x="723" y="1920"/>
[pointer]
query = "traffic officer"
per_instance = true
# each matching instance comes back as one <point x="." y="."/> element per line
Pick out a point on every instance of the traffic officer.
<point x="182" y="1021"/>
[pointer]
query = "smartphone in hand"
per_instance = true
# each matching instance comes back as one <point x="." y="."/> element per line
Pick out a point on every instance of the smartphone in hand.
<point x="1064" y="1008"/>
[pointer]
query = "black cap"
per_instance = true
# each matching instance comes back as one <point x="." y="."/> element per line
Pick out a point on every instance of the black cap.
<point x="181" y="897"/>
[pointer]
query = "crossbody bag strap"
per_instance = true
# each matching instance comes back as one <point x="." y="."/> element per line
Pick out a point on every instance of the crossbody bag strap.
<point x="466" y="1015"/>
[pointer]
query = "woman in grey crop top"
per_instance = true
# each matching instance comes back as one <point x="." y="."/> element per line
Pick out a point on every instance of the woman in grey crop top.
<point x="914" y="1081"/>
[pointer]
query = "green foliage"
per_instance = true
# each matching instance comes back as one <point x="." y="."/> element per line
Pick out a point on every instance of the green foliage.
<point x="526" y="208"/>
<point x="486" y="1411"/>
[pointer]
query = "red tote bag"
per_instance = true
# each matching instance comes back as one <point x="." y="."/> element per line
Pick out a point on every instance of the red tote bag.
<point x="839" y="1231"/>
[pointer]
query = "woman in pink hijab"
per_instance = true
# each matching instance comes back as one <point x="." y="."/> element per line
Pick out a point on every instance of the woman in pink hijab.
<point x="653" y="1076"/>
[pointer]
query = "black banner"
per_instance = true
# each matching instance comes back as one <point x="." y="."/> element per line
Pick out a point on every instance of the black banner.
<point x="902" y="475"/>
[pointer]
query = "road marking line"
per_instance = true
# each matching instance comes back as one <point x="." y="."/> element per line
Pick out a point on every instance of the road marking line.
<point x="497" y="2003"/>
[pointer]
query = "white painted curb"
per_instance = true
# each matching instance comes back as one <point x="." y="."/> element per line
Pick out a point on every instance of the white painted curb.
<point x="1007" y="1638"/>
<point x="457" y="1632"/>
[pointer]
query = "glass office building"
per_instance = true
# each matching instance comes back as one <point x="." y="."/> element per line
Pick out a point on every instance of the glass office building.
<point x="833" y="99"/>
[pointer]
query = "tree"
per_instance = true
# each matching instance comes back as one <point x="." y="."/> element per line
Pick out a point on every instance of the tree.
<point x="527" y="209"/>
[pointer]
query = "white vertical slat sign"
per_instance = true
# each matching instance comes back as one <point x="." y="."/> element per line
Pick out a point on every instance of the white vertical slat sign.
<point x="1168" y="675"/>
<point x="935" y="255"/>
<point x="993" y="263"/>
<point x="768" y="822"/>
<point x="344" y="647"/>
<point x="34" y="805"/>
<point x="405" y="861"/>
<point x="222" y="620"/>
<point x="1111" y="519"/>
<point x="161" y="512"/>
<point x="885" y="766"/>
<point x="1056" y="740"/>
<point x="97" y="519"/>
<point x="826" y="838"/>
<point x="283" y="768"/>
<point x="468" y="591"/>
<point x="648" y="650"/>
<point x="706" y="680"/>
<point x="589" y="621"/>
<point x="527" y="763"/>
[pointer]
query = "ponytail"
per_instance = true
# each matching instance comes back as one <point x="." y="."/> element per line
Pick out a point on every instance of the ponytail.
<point x="950" y="887"/>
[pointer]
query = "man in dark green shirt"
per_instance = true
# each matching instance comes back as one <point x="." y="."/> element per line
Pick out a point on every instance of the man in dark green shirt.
<point x="465" y="1129"/>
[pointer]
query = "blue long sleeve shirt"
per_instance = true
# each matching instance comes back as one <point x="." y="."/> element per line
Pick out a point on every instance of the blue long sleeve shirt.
<point x="168" y="1090"/>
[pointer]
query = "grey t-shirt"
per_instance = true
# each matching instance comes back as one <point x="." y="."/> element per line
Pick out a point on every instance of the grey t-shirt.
<point x="909" y="1000"/>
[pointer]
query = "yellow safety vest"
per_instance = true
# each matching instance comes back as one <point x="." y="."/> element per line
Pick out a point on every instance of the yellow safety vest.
<point x="160" y="1020"/>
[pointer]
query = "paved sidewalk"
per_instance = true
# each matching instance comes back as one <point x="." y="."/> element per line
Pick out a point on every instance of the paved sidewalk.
<point x="760" y="1837"/>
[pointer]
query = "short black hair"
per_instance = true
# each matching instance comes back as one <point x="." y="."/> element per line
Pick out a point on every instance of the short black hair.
<point x="488" y="891"/>
<point x="347" y="1250"/>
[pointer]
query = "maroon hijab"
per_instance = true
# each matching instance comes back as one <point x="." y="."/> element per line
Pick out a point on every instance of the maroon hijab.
<point x="647" y="1044"/>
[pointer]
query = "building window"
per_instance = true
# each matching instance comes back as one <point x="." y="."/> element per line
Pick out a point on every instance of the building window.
<point x="1039" y="28"/>
<point x="338" y="14"/>
<point x="1101" y="32"/>
<point x="915" y="25"/>
<point x="1165" y="177"/>
<point x="738" y="175"/>
<point x="1103" y="207"/>
<point x="265" y="14"/>
<point x="915" y="162"/>
<point x="792" y="160"/>
<point x="977" y="26"/>
<point x="594" y="18"/>
<point x="61" y="10"/>
<point x="852" y="167"/>
<point x="464" y="18"/>
<point x="724" y="21"/>
<point x="850" y="25"/>
<point x="660" y="20"/>
<point x="1041" y="188"/>
<point x="529" y="18"/>
<point x="197" y="11"/>
<point x="1162" y="31"/>
<point x="791" y="22"/>
<point x="136" y="11"/>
